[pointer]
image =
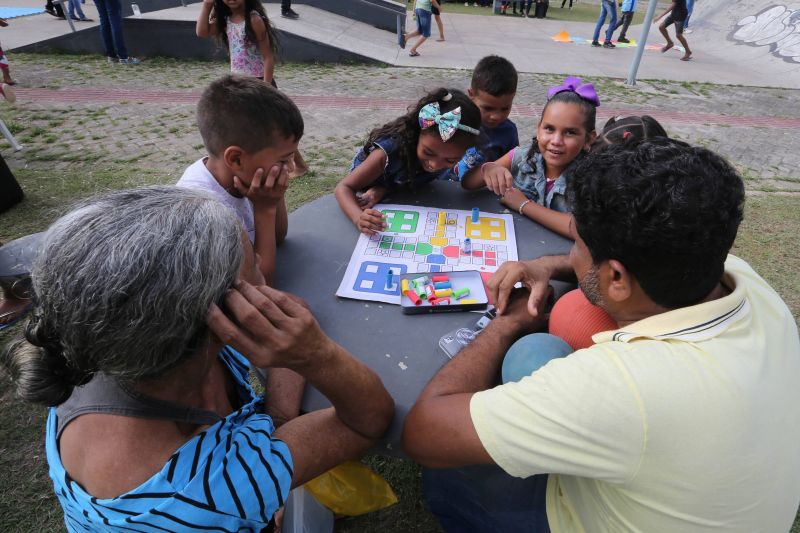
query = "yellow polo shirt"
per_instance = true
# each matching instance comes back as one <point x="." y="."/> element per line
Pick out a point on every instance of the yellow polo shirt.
<point x="687" y="421"/>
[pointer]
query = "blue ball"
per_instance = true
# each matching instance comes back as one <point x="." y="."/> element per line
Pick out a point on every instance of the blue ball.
<point x="530" y="353"/>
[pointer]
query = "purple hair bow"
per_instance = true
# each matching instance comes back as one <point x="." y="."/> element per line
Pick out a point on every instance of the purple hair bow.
<point x="573" y="84"/>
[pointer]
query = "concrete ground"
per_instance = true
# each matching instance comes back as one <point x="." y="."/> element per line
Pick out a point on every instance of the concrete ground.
<point x="726" y="49"/>
<point x="87" y="108"/>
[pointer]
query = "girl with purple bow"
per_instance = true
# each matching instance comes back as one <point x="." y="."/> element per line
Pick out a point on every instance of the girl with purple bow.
<point x="532" y="180"/>
<point x="410" y="150"/>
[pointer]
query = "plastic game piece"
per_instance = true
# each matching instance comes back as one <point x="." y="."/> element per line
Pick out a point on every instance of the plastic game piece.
<point x="414" y="297"/>
<point x="440" y="278"/>
<point x="442" y="218"/>
<point x="476" y="215"/>
<point x="389" y="279"/>
<point x="442" y="285"/>
<point x="451" y="222"/>
<point x="467" y="246"/>
<point x="430" y="291"/>
<point x="420" y="281"/>
<point x="441" y="300"/>
<point x="404" y="286"/>
<point x="460" y="293"/>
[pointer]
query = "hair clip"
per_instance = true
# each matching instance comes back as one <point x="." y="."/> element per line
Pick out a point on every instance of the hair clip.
<point x="447" y="97"/>
<point x="626" y="135"/>
<point x="448" y="122"/>
<point x="573" y="84"/>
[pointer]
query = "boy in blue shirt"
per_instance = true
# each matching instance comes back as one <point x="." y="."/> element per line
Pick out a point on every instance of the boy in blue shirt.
<point x="628" y="7"/>
<point x="493" y="87"/>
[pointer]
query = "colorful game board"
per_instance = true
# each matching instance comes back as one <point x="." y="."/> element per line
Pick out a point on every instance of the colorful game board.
<point x="425" y="239"/>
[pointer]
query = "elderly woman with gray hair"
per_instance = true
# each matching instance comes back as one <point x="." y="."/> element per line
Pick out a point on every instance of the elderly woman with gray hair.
<point x="149" y="311"/>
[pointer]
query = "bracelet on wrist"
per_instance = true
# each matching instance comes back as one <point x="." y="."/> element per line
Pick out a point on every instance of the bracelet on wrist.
<point x="523" y="204"/>
<point x="483" y="167"/>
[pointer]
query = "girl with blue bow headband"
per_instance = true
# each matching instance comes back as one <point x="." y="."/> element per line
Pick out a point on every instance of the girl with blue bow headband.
<point x="532" y="180"/>
<point x="410" y="150"/>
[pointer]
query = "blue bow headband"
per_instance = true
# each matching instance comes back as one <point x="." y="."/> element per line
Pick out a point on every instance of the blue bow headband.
<point x="448" y="122"/>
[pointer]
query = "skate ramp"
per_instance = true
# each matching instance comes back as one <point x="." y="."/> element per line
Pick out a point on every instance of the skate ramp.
<point x="761" y="38"/>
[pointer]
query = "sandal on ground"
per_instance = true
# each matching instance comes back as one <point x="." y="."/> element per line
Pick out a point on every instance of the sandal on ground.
<point x="413" y="53"/>
<point x="687" y="57"/>
<point x="440" y="40"/>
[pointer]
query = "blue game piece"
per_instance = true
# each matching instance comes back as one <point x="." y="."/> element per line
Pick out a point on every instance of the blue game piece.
<point x="476" y="215"/>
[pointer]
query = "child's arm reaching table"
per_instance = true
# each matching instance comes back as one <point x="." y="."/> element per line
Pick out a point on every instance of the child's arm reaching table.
<point x="267" y="194"/>
<point x="368" y="221"/>
<point x="549" y="218"/>
<point x="496" y="176"/>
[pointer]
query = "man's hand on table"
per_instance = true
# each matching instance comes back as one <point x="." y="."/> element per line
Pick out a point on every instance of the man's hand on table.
<point x="535" y="275"/>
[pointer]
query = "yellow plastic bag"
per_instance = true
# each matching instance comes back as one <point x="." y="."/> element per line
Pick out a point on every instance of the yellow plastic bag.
<point x="352" y="489"/>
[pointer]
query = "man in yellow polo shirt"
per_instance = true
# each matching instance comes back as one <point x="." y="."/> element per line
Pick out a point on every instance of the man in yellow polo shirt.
<point x="686" y="419"/>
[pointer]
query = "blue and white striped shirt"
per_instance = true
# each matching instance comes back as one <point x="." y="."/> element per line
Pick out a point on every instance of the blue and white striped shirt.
<point x="231" y="477"/>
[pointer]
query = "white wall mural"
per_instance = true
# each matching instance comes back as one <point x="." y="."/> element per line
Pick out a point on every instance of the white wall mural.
<point x="777" y="27"/>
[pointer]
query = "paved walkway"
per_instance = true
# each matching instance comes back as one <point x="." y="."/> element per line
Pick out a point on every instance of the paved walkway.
<point x="74" y="109"/>
<point x="724" y="51"/>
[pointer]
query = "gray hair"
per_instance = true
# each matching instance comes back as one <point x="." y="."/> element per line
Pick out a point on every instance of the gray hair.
<point x="122" y="285"/>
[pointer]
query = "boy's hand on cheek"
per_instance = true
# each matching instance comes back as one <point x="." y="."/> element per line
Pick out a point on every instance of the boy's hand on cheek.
<point x="265" y="191"/>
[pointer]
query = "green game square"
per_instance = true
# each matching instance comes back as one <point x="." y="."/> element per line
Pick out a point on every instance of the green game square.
<point x="386" y="245"/>
<point x="395" y="223"/>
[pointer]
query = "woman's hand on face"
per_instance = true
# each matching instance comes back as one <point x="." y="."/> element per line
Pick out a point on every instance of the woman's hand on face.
<point x="269" y="327"/>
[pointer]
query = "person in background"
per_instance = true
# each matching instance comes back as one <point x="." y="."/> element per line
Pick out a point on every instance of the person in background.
<point x="110" y="14"/>
<point x="627" y="9"/>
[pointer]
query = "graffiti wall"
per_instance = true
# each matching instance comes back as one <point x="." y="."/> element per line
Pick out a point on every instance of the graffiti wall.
<point x="777" y="27"/>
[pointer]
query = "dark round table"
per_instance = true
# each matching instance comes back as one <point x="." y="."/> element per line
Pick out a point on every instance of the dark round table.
<point x="402" y="349"/>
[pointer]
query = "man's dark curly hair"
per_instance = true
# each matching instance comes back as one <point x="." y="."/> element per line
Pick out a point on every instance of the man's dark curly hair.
<point x="666" y="210"/>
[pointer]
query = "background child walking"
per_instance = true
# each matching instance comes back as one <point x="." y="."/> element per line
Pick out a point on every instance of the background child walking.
<point x="532" y="180"/>
<point x="628" y="8"/>
<point x="6" y="91"/>
<point x="410" y="150"/>
<point x="243" y="28"/>
<point x="423" y="12"/>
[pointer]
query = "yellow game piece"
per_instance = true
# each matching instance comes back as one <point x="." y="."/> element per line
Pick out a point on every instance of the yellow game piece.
<point x="468" y="301"/>
<point x="404" y="286"/>
<point x="442" y="218"/>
